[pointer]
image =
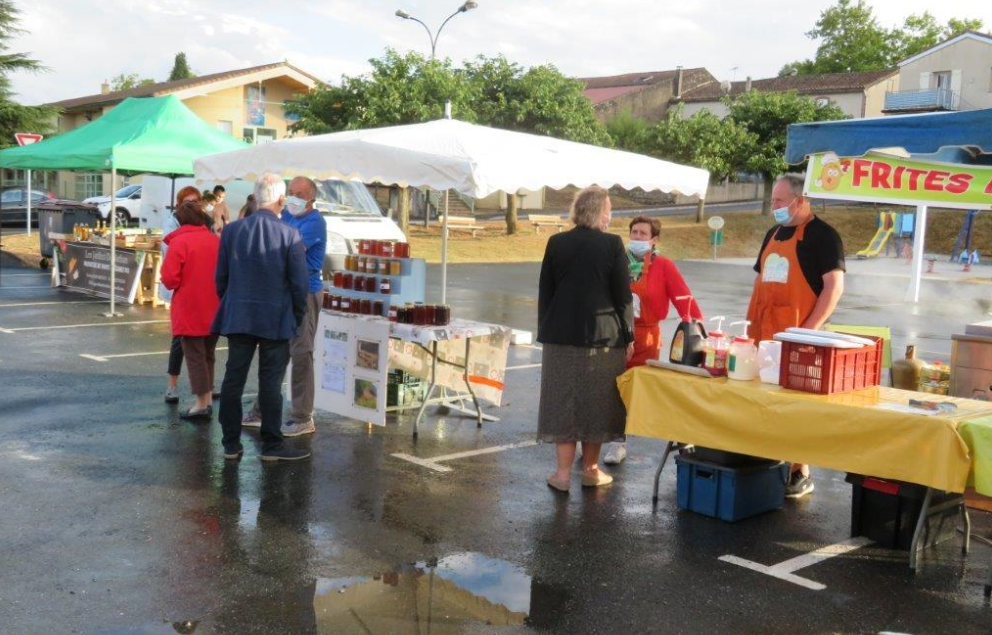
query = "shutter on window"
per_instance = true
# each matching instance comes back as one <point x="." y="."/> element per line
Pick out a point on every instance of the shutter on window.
<point x="924" y="81"/>
<point x="956" y="89"/>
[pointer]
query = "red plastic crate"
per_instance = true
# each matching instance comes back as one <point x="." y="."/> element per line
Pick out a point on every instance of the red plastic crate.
<point x="824" y="371"/>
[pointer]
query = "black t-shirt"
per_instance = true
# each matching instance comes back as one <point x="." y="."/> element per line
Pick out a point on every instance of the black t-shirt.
<point x="819" y="252"/>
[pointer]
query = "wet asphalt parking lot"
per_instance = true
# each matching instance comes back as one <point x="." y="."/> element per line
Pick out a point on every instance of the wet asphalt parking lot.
<point x="118" y="518"/>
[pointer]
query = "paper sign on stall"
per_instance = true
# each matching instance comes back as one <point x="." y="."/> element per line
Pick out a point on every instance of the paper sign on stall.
<point x="351" y="361"/>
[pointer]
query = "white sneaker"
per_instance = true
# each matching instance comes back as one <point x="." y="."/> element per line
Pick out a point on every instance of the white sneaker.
<point x="293" y="429"/>
<point x="615" y="453"/>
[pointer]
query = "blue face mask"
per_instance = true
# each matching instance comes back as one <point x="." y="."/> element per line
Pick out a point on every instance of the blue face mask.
<point x="640" y="248"/>
<point x="782" y="215"/>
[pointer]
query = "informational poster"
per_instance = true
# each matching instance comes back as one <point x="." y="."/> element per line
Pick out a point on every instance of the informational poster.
<point x="255" y="107"/>
<point x="85" y="267"/>
<point x="351" y="357"/>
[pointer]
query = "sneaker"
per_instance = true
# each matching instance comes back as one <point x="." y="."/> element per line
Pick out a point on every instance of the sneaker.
<point x="198" y="415"/>
<point x="293" y="429"/>
<point x="252" y="420"/>
<point x="172" y="394"/>
<point x="615" y="453"/>
<point x="234" y="454"/>
<point x="285" y="454"/>
<point x="798" y="486"/>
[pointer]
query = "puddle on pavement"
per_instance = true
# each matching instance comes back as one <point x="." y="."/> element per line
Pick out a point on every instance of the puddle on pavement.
<point x="186" y="627"/>
<point x="443" y="596"/>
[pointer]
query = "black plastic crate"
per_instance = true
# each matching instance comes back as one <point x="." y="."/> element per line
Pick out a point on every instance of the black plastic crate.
<point x="724" y="458"/>
<point x="887" y="512"/>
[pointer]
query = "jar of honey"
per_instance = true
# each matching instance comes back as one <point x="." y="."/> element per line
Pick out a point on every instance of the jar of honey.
<point x="383" y="267"/>
<point x="345" y="304"/>
<point x="370" y="285"/>
<point x="442" y="315"/>
<point x="365" y="307"/>
<point x="377" y="308"/>
<point x="430" y="313"/>
<point x="387" y="249"/>
<point x="385" y="286"/>
<point x="347" y="280"/>
<point x="335" y="303"/>
<point x="395" y="267"/>
<point x="338" y="278"/>
<point x="419" y="314"/>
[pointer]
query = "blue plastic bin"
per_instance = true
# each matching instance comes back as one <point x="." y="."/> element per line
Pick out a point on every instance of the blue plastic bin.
<point x="730" y="493"/>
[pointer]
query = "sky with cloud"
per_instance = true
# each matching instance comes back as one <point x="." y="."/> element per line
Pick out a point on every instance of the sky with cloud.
<point x="84" y="42"/>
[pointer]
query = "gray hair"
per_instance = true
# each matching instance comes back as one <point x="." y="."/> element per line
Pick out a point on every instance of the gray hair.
<point x="269" y="188"/>
<point x="796" y="181"/>
<point x="588" y="206"/>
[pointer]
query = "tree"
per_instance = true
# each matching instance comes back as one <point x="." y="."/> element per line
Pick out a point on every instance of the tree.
<point x="15" y="117"/>
<point x="628" y="132"/>
<point x="767" y="116"/>
<point x="180" y="69"/>
<point x="851" y="39"/>
<point x="128" y="81"/>
<point x="721" y="146"/>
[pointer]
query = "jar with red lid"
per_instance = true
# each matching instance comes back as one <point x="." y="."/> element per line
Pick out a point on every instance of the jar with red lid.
<point x="347" y="280"/>
<point x="385" y="286"/>
<point x="363" y="246"/>
<point x="393" y="313"/>
<point x="345" y="304"/>
<point x="401" y="250"/>
<point x="338" y="278"/>
<point x="387" y="249"/>
<point x="377" y="308"/>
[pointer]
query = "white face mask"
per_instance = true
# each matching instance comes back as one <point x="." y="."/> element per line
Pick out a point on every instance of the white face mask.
<point x="295" y="205"/>
<point x="210" y="208"/>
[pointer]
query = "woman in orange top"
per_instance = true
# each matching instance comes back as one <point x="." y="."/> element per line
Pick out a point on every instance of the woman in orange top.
<point x="655" y="283"/>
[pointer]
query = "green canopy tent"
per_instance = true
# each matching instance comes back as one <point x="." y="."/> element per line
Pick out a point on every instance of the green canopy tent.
<point x="149" y="135"/>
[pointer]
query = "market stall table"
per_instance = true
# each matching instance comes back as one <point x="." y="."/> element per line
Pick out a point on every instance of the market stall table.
<point x="869" y="431"/>
<point x="84" y="267"/>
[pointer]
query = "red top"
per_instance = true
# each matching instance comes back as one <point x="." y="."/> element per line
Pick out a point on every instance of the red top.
<point x="664" y="284"/>
<point x="189" y="269"/>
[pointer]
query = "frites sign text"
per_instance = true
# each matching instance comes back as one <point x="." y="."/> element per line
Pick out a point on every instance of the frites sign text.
<point x="883" y="179"/>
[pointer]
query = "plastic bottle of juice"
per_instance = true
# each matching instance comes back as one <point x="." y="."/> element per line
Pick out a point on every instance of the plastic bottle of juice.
<point x="717" y="347"/>
<point x="742" y="360"/>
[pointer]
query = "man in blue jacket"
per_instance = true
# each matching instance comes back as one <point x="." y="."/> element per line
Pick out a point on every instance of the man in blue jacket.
<point x="301" y="214"/>
<point x="263" y="284"/>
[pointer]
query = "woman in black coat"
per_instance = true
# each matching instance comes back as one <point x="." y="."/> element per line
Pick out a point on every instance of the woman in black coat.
<point x="585" y="322"/>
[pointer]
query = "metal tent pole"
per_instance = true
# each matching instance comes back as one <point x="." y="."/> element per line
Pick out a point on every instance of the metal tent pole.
<point x="913" y="292"/>
<point x="113" y="243"/>
<point x="444" y="251"/>
<point x="28" y="194"/>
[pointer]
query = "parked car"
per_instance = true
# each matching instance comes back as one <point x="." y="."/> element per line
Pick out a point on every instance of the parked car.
<point x="351" y="214"/>
<point x="128" y="201"/>
<point x="13" y="204"/>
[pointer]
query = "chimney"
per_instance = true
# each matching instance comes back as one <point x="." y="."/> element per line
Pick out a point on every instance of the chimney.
<point x="747" y="84"/>
<point x="104" y="87"/>
<point x="678" y="82"/>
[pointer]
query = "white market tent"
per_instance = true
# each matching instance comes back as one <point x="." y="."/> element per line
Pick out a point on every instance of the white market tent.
<point x="449" y="154"/>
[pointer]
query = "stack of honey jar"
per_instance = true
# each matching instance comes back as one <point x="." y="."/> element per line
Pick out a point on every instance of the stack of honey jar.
<point x="418" y="313"/>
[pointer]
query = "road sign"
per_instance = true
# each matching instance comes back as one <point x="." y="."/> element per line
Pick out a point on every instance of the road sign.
<point x="27" y="138"/>
<point x="716" y="237"/>
<point x="715" y="223"/>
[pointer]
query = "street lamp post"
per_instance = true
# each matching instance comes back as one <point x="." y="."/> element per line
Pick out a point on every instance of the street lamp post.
<point x="467" y="6"/>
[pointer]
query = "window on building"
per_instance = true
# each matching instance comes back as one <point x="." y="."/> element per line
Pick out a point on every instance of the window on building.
<point x="259" y="135"/>
<point x="89" y="184"/>
<point x="822" y="101"/>
<point x="226" y="126"/>
<point x="942" y="80"/>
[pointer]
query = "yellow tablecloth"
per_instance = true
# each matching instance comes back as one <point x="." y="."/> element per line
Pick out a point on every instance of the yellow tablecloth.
<point x="847" y="432"/>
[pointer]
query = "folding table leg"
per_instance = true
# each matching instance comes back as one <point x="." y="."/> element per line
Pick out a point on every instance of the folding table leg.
<point x="430" y="389"/>
<point x="914" y="547"/>
<point x="967" y="528"/>
<point x="661" y="466"/>
<point x="468" y="384"/>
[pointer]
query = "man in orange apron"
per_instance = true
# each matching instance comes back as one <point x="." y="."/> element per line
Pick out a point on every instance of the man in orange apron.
<point x="655" y="283"/>
<point x="800" y="279"/>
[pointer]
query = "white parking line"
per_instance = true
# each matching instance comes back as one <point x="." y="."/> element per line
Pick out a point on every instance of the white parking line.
<point x="434" y="463"/>
<point x="107" y="358"/>
<point x="523" y="366"/>
<point x="23" y="304"/>
<point x="16" y="288"/>
<point x="14" y="275"/>
<point x="79" y="326"/>
<point x="784" y="570"/>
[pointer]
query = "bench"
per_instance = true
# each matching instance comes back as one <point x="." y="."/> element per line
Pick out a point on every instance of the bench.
<point x="463" y="223"/>
<point x="546" y="220"/>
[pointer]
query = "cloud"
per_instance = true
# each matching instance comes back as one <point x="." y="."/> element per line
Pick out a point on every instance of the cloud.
<point x="86" y="41"/>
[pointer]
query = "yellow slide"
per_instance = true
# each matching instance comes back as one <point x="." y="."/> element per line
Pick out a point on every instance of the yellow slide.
<point x="886" y="225"/>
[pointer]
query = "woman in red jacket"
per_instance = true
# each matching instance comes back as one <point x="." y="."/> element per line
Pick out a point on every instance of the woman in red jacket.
<point x="188" y="270"/>
<point x="655" y="283"/>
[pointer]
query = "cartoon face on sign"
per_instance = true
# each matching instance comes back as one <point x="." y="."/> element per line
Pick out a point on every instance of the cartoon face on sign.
<point x="830" y="172"/>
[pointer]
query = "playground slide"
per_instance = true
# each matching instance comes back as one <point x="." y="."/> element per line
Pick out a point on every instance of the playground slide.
<point x="886" y="226"/>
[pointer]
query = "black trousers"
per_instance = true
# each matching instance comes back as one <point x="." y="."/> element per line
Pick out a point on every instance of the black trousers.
<point x="176" y="356"/>
<point x="273" y="356"/>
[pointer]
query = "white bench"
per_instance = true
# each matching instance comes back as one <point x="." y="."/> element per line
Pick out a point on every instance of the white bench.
<point x="546" y="220"/>
<point x="463" y="223"/>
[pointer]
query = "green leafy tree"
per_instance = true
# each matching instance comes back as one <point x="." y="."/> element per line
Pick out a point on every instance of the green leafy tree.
<point x="767" y="116"/>
<point x="15" y="117"/>
<point x="181" y="69"/>
<point x="127" y="81"/>
<point x="628" y="132"/>
<point x="851" y="39"/>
